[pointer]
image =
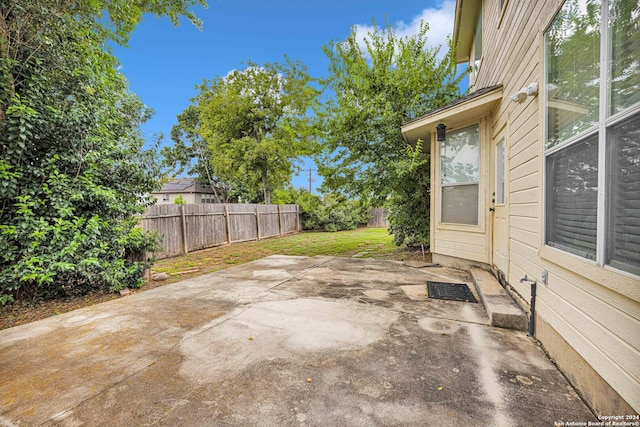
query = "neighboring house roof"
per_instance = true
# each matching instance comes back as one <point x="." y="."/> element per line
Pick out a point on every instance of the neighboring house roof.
<point x="184" y="185"/>
<point x="475" y="104"/>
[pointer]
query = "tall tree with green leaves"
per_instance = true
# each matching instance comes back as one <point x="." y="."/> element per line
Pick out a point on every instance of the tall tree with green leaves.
<point x="376" y="89"/>
<point x="256" y="125"/>
<point x="73" y="172"/>
<point x="191" y="153"/>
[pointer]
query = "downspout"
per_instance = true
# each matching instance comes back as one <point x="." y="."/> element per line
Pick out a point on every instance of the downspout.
<point x="532" y="316"/>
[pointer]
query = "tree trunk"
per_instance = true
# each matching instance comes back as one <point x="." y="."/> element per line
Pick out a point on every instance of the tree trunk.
<point x="265" y="188"/>
<point x="205" y="161"/>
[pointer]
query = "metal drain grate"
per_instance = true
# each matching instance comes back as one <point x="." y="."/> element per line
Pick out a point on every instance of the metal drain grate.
<point x="450" y="291"/>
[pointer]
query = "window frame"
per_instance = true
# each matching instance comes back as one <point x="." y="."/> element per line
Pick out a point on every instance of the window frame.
<point x="476" y="63"/>
<point x="597" y="269"/>
<point x="501" y="173"/>
<point x="478" y="183"/>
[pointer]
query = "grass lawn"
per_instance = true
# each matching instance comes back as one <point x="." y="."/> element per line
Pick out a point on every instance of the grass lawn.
<point x="361" y="243"/>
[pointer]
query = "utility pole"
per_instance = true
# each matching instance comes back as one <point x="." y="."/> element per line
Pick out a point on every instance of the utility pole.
<point x="310" y="178"/>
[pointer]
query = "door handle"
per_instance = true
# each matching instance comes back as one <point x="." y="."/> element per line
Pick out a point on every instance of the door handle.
<point x="492" y="209"/>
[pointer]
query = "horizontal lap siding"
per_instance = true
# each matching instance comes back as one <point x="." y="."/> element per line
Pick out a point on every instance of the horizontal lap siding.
<point x="600" y="324"/>
<point x="472" y="246"/>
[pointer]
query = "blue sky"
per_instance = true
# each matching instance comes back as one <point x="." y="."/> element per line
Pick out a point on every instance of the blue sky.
<point x="164" y="63"/>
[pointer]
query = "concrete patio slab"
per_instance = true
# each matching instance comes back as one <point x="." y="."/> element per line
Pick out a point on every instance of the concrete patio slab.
<point x="282" y="341"/>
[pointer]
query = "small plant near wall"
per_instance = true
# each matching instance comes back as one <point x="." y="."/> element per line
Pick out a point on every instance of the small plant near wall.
<point x="180" y="200"/>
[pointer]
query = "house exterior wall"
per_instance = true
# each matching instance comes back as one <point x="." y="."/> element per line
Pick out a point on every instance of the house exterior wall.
<point x="470" y="242"/>
<point x="588" y="313"/>
<point x="189" y="198"/>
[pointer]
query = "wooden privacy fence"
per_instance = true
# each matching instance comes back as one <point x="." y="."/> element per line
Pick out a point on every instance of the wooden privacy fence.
<point x="186" y="228"/>
<point x="378" y="218"/>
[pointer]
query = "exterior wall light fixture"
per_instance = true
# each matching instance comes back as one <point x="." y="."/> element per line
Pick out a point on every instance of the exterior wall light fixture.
<point x="521" y="95"/>
<point x="440" y="131"/>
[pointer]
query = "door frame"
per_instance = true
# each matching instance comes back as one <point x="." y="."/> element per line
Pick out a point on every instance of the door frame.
<point x="500" y="211"/>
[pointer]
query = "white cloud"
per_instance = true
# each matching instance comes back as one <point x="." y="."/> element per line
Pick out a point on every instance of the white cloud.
<point x="440" y="20"/>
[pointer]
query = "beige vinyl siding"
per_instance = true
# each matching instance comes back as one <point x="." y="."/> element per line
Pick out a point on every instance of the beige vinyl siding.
<point x="601" y="324"/>
<point x="472" y="246"/>
<point x="595" y="310"/>
<point x="465" y="241"/>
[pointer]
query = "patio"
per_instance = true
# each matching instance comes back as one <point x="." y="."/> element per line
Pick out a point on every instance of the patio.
<point x="283" y="341"/>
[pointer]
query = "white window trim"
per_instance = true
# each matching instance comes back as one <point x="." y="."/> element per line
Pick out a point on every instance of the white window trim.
<point x="473" y="228"/>
<point x="502" y="142"/>
<point x="473" y="76"/>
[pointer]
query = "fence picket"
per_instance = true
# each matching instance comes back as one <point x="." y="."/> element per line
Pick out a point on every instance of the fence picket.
<point x="187" y="228"/>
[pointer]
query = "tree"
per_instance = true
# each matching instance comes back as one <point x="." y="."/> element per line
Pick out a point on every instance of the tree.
<point x="376" y="90"/>
<point x="72" y="172"/>
<point x="191" y="152"/>
<point x="256" y="125"/>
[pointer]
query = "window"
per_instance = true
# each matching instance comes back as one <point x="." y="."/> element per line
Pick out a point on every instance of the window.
<point x="592" y="144"/>
<point x="459" y="176"/>
<point x="207" y="198"/>
<point x="165" y="197"/>
<point x="500" y="165"/>
<point x="476" y="49"/>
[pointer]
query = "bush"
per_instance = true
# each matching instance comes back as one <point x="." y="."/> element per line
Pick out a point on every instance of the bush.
<point x="331" y="213"/>
<point x="73" y="170"/>
<point x="408" y="211"/>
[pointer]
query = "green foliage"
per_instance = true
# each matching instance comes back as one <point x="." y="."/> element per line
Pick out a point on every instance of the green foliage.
<point x="408" y="218"/>
<point x="73" y="173"/>
<point x="333" y="212"/>
<point x="396" y="79"/>
<point x="190" y="152"/>
<point x="255" y="124"/>
<point x="180" y="200"/>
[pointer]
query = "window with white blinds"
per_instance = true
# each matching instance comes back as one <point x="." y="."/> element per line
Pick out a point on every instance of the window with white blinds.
<point x="592" y="110"/>
<point x="623" y="235"/>
<point x="460" y="176"/>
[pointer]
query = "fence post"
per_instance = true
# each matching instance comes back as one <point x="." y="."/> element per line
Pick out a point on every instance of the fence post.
<point x="227" y="223"/>
<point x="185" y="243"/>
<point x="279" y="221"/>
<point x="298" y="217"/>
<point x="257" y="223"/>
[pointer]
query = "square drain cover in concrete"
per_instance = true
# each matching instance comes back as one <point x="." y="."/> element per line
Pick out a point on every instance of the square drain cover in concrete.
<point x="450" y="291"/>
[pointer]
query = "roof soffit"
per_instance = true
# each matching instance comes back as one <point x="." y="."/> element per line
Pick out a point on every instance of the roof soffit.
<point x="464" y="27"/>
<point x="459" y="113"/>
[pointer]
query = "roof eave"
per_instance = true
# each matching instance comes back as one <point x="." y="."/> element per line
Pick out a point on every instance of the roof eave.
<point x="459" y="114"/>
<point x="464" y="27"/>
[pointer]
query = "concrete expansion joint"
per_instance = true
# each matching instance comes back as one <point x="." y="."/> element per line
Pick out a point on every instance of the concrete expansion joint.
<point x="452" y="319"/>
<point x="69" y="411"/>
<point x="244" y="307"/>
<point x="306" y="270"/>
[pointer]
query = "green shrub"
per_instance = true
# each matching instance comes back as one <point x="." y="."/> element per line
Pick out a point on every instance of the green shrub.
<point x="408" y="210"/>
<point x="334" y="213"/>
<point x="73" y="171"/>
<point x="331" y="213"/>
